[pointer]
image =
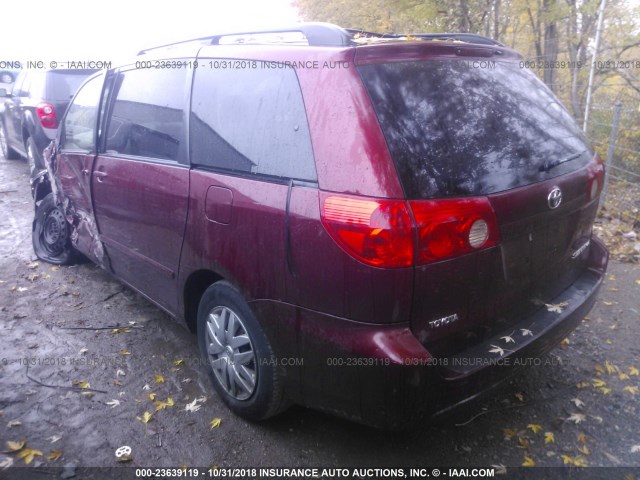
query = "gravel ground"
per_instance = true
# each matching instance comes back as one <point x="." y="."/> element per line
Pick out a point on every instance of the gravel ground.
<point x="579" y="407"/>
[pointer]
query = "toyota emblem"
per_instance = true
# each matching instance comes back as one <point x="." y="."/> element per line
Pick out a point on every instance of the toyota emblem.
<point x="555" y="198"/>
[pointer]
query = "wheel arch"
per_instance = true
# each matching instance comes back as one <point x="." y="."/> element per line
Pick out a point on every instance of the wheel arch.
<point x="194" y="288"/>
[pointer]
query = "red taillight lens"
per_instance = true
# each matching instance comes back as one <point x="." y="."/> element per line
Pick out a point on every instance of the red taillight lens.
<point x="596" y="178"/>
<point x="47" y="115"/>
<point x="452" y="227"/>
<point x="376" y="232"/>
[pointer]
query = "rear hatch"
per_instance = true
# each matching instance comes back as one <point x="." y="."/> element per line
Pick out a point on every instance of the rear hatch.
<point x="485" y="134"/>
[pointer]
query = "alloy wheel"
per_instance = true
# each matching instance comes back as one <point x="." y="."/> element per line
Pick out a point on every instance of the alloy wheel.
<point x="230" y="353"/>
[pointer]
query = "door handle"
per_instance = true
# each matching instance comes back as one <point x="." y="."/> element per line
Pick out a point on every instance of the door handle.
<point x="100" y="175"/>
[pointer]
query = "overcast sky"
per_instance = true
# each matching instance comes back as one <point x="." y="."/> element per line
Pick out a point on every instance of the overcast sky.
<point x="69" y="29"/>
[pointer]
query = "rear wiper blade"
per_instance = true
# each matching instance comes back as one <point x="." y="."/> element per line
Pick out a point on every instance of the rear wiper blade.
<point x="549" y="164"/>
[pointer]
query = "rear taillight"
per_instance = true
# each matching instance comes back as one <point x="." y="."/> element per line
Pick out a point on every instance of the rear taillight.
<point x="47" y="115"/>
<point x="382" y="233"/>
<point x="452" y="227"/>
<point x="596" y="178"/>
<point x="376" y="232"/>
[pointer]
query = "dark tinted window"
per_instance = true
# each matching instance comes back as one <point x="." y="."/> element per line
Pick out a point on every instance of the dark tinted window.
<point x="251" y="120"/>
<point x="454" y="130"/>
<point x="63" y="84"/>
<point x="146" y="119"/>
<point x="81" y="118"/>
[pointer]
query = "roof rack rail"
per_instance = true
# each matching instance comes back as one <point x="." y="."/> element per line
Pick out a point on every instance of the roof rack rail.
<point x="317" y="34"/>
<point x="461" y="37"/>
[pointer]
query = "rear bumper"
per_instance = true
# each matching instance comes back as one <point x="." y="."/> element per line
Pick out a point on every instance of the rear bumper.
<point x="382" y="375"/>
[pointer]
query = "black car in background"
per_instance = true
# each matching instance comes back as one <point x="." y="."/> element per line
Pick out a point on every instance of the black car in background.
<point x="29" y="119"/>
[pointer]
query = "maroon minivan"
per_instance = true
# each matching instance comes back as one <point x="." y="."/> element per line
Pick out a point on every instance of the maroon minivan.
<point x="380" y="227"/>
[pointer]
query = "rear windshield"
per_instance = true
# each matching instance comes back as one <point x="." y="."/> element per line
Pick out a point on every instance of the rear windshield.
<point x="456" y="130"/>
<point x="62" y="84"/>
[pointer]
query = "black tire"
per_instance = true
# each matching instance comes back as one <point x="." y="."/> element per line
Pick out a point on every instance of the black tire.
<point x="34" y="157"/>
<point x="267" y="397"/>
<point x="50" y="233"/>
<point x="8" y="152"/>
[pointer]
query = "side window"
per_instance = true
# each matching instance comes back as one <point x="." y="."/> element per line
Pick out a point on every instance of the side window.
<point x="81" y="119"/>
<point x="251" y="121"/>
<point x="146" y="119"/>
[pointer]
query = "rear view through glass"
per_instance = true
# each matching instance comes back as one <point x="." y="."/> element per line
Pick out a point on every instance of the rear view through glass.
<point x="454" y="130"/>
<point x="62" y="84"/>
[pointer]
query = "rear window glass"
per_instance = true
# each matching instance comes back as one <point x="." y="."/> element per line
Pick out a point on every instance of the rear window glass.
<point x="62" y="85"/>
<point x="455" y="130"/>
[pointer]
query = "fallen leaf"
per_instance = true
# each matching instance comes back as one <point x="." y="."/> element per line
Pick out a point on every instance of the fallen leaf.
<point x="577" y="418"/>
<point x="604" y="390"/>
<point x="523" y="443"/>
<point x="54" y="269"/>
<point x="583" y="384"/>
<point x="534" y="427"/>
<point x="634" y="371"/>
<point x="81" y="384"/>
<point x="611" y="368"/>
<point x="124" y="351"/>
<point x="54" y="438"/>
<point x="195" y="405"/>
<point x="120" y="372"/>
<point x="146" y="417"/>
<point x="520" y="396"/>
<point x="118" y="330"/>
<point x="582" y="438"/>
<point x="83" y="350"/>
<point x="178" y="362"/>
<point x="598" y="383"/>
<point x="159" y="378"/>
<point x="215" y="423"/>
<point x="14" y="423"/>
<point x="499" y="469"/>
<point x="584" y="449"/>
<point x="509" y="433"/>
<point x="549" y="437"/>
<point x="577" y="402"/>
<point x="556" y="307"/>
<point x="528" y="462"/>
<point x="15" y="446"/>
<point x="623" y="376"/>
<point x="608" y="304"/>
<point x="599" y="369"/>
<point x="497" y="350"/>
<point x="5" y="462"/>
<point x="22" y="289"/>
<point x="28" y="454"/>
<point x="635" y="449"/>
<point x="160" y="405"/>
<point x="565" y="342"/>
<point x="526" y="333"/>
<point x="613" y="459"/>
<point x="147" y="387"/>
<point x="33" y="265"/>
<point x="631" y="389"/>
<point x="113" y="403"/>
<point x="54" y="455"/>
<point x="508" y="339"/>
<point x="152" y="396"/>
